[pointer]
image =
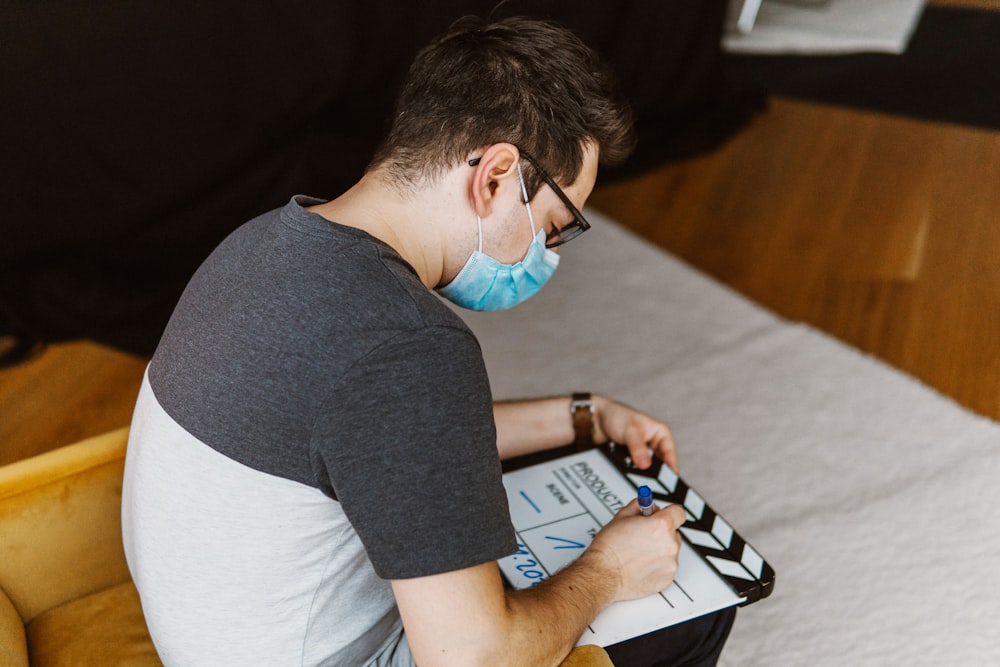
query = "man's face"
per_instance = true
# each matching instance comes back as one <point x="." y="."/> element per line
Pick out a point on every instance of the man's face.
<point x="548" y="211"/>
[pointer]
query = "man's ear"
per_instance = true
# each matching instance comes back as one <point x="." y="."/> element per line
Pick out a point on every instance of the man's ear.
<point x="495" y="175"/>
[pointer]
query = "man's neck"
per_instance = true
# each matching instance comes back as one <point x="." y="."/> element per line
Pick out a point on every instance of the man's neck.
<point x="410" y="224"/>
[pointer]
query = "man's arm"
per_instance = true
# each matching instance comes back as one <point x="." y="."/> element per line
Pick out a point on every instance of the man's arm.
<point x="525" y="427"/>
<point x="468" y="617"/>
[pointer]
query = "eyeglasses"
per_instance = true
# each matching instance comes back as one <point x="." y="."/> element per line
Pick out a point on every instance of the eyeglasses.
<point x="567" y="232"/>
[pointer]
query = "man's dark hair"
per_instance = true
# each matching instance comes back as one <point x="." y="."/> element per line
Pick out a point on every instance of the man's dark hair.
<point x="528" y="82"/>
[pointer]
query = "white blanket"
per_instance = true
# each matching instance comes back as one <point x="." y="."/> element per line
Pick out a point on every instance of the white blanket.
<point x="876" y="500"/>
<point x="830" y="27"/>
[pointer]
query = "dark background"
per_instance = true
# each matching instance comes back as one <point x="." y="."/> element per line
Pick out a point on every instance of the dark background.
<point x="137" y="135"/>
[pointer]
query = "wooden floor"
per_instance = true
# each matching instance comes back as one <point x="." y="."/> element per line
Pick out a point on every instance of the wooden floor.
<point x="883" y="232"/>
<point x="879" y="230"/>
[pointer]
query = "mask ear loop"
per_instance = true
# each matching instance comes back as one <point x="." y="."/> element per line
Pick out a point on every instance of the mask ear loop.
<point x="524" y="193"/>
<point x="479" y="221"/>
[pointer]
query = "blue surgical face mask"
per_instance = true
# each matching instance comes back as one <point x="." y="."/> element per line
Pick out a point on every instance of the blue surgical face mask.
<point x="486" y="284"/>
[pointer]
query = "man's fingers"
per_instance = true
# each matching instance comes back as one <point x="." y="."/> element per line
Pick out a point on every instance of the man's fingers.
<point x="632" y="509"/>
<point x="674" y="514"/>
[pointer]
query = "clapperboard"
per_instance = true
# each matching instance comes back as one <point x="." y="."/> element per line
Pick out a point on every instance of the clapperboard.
<point x="557" y="506"/>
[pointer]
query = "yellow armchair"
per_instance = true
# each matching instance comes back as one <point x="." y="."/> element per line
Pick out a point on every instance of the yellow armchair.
<point x="66" y="597"/>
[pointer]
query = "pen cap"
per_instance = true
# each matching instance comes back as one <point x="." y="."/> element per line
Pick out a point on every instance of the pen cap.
<point x="645" y="497"/>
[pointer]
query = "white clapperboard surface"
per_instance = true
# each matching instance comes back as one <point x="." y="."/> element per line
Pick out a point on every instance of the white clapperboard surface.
<point x="558" y="506"/>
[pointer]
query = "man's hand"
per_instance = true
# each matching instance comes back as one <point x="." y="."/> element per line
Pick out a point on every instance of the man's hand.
<point x="636" y="430"/>
<point x="467" y="617"/>
<point x="525" y="427"/>
<point x="642" y="549"/>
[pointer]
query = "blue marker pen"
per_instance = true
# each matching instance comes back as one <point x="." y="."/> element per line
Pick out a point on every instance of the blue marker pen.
<point x="645" y="501"/>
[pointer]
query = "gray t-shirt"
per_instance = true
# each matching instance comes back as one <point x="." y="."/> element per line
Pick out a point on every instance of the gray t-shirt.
<point x="314" y="422"/>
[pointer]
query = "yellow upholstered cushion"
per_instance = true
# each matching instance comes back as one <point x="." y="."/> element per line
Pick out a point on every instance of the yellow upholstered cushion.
<point x="105" y="628"/>
<point x="60" y="524"/>
<point x="588" y="656"/>
<point x="13" y="648"/>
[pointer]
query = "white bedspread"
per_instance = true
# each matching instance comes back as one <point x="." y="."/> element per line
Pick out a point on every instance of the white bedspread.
<point x="876" y="500"/>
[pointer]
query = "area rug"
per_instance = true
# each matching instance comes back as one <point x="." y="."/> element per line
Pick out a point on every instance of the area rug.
<point x="876" y="499"/>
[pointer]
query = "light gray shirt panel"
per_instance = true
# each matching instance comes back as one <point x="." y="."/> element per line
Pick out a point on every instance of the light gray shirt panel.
<point x="239" y="567"/>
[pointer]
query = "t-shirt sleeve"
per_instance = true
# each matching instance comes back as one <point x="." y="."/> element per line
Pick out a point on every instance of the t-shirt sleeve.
<point x="407" y="445"/>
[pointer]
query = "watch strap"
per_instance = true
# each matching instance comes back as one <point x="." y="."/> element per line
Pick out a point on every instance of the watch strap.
<point x="581" y="408"/>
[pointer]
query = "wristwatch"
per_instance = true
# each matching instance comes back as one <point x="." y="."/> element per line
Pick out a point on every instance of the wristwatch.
<point x="581" y="408"/>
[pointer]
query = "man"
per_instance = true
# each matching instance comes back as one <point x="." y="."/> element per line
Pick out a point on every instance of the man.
<point x="313" y="472"/>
